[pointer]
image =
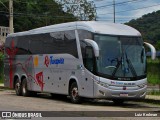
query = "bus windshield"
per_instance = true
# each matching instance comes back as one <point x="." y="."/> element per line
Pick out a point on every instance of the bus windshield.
<point x="121" y="57"/>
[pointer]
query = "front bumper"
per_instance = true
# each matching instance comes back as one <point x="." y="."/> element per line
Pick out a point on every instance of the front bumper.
<point x="116" y="92"/>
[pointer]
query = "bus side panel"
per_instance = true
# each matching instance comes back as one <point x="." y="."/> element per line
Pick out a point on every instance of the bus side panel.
<point x="42" y="74"/>
<point x="53" y="77"/>
<point x="56" y="72"/>
<point x="50" y="73"/>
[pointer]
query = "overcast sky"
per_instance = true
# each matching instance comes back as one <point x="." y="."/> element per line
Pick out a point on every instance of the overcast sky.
<point x="125" y="9"/>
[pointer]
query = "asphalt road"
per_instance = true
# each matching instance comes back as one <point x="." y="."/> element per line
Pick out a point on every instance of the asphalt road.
<point x="44" y="102"/>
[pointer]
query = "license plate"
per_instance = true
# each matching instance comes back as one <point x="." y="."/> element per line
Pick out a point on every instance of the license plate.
<point x="124" y="95"/>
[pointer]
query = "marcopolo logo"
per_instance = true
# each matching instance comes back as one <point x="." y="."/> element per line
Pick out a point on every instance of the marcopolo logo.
<point x="50" y="60"/>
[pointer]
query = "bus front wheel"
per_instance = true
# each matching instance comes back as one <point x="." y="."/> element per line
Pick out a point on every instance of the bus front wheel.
<point x="25" y="91"/>
<point x="75" y="98"/>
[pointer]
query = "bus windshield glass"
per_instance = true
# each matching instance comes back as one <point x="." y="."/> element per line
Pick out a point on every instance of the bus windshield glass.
<point x="120" y="57"/>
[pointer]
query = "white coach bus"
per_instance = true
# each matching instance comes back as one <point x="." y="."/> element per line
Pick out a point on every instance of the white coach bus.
<point x="86" y="59"/>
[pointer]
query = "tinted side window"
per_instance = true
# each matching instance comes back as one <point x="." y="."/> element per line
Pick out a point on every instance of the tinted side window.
<point x="36" y="47"/>
<point x="65" y="42"/>
<point x="22" y="45"/>
<point x="54" y="43"/>
<point x="40" y="44"/>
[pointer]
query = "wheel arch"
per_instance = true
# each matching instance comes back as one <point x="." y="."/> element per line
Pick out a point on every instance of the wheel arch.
<point x="72" y="80"/>
<point x="23" y="76"/>
<point x="15" y="78"/>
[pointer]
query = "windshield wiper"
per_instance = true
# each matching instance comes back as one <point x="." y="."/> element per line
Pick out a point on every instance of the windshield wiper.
<point x="119" y="62"/>
<point x="130" y="65"/>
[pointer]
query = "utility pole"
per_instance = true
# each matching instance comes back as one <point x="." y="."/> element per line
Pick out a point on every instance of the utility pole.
<point x="114" y="15"/>
<point x="11" y="16"/>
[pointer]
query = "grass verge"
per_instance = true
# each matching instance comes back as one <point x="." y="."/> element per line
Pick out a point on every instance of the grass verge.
<point x="154" y="92"/>
<point x="153" y="68"/>
<point x="150" y="101"/>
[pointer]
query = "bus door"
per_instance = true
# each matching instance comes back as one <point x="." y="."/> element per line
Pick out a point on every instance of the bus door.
<point x="87" y="75"/>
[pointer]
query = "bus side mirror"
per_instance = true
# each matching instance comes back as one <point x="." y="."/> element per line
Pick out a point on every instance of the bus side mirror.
<point x="94" y="45"/>
<point x="153" y="50"/>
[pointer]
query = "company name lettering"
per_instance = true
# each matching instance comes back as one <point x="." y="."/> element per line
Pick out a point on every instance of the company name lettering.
<point x="56" y="61"/>
<point x="121" y="83"/>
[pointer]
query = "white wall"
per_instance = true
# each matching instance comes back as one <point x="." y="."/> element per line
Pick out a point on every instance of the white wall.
<point x="4" y="31"/>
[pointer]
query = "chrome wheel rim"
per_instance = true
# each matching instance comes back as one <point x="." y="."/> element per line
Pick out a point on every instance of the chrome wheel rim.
<point x="75" y="93"/>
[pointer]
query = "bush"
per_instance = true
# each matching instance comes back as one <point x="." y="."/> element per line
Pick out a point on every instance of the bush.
<point x="153" y="70"/>
<point x="154" y="92"/>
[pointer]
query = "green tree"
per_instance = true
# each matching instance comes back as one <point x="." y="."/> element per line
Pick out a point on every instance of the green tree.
<point x="83" y="9"/>
<point x="4" y="18"/>
<point x="30" y="14"/>
<point x="158" y="45"/>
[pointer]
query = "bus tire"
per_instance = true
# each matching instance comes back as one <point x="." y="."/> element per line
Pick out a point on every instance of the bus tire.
<point x="118" y="101"/>
<point x="17" y="87"/>
<point x="25" y="91"/>
<point x="75" y="98"/>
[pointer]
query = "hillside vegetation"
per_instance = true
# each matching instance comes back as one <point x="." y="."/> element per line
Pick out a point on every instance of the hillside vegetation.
<point x="149" y="26"/>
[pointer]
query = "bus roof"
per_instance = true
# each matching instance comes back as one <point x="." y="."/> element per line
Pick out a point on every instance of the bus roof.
<point x="93" y="26"/>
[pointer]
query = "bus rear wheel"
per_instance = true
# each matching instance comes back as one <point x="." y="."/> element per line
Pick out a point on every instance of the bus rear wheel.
<point x="75" y="98"/>
<point x="17" y="87"/>
<point x="25" y="91"/>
